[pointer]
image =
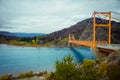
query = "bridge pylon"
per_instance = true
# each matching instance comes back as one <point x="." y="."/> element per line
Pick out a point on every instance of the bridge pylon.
<point x="70" y="37"/>
<point x="95" y="25"/>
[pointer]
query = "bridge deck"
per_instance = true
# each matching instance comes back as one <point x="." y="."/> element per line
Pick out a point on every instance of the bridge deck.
<point x="87" y="43"/>
<point x="99" y="44"/>
<point x="110" y="46"/>
<point x="82" y="43"/>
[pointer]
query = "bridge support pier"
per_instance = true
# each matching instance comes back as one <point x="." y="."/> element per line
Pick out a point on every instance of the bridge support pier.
<point x="70" y="45"/>
<point x="95" y="51"/>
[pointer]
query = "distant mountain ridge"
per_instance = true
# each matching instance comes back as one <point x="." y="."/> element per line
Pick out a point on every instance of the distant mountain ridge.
<point x="20" y="34"/>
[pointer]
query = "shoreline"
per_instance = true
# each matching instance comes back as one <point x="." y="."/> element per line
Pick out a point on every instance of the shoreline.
<point x="24" y="75"/>
<point x="38" y="46"/>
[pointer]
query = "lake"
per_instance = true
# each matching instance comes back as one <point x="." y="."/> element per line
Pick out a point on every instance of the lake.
<point x="17" y="59"/>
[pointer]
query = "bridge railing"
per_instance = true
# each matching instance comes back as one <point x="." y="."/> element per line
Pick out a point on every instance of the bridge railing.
<point x="110" y="46"/>
<point x="101" y="42"/>
<point x="87" y="43"/>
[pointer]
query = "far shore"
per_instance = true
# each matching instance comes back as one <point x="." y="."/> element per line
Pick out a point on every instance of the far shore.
<point x="34" y="45"/>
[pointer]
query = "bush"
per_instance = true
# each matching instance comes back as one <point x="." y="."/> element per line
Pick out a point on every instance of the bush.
<point x="88" y="70"/>
<point x="67" y="70"/>
<point x="102" y="69"/>
<point x="26" y="75"/>
<point x="5" y="77"/>
<point x="51" y="76"/>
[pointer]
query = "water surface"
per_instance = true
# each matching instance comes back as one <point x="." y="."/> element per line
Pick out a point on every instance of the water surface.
<point x="16" y="59"/>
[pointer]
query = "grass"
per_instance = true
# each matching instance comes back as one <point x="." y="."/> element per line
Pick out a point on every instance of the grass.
<point x="26" y="75"/>
<point x="5" y="77"/>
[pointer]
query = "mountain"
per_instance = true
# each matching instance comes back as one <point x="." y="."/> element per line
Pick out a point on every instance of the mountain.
<point x="4" y="33"/>
<point x="20" y="34"/>
<point x="83" y="31"/>
<point x="28" y="34"/>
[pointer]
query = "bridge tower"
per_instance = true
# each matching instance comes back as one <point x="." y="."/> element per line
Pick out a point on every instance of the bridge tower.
<point x="95" y="25"/>
<point x="71" y="37"/>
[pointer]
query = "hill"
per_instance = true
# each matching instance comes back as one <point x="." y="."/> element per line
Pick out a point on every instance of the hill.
<point x="83" y="31"/>
<point x="4" y="33"/>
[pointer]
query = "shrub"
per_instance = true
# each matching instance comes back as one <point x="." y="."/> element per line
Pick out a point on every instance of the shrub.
<point x="88" y="70"/>
<point x="67" y="70"/>
<point x="5" y="77"/>
<point x="102" y="68"/>
<point x="26" y="75"/>
<point x="51" y="76"/>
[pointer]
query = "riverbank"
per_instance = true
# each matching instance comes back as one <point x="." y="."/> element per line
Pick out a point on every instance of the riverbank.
<point x="34" y="41"/>
<point x="33" y="78"/>
<point x="36" y="45"/>
<point x="25" y="76"/>
<point x="26" y="45"/>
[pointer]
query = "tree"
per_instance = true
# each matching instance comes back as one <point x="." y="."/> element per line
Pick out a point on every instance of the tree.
<point x="102" y="70"/>
<point x="89" y="71"/>
<point x="33" y="41"/>
<point x="67" y="70"/>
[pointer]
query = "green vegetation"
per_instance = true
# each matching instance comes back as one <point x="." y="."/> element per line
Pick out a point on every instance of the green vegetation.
<point x="102" y="68"/>
<point x="67" y="67"/>
<point x="88" y="70"/>
<point x="37" y="41"/>
<point x="67" y="70"/>
<point x="5" y="77"/>
<point x="21" y="75"/>
<point x="26" y="75"/>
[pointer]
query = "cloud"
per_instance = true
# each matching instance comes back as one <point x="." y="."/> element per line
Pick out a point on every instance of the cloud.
<point x="49" y="15"/>
<point x="6" y="27"/>
<point x="41" y="23"/>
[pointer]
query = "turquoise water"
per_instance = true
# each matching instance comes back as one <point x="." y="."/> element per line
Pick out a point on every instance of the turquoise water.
<point x="16" y="59"/>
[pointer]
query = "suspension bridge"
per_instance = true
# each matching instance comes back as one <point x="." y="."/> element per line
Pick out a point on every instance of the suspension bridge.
<point x="105" y="22"/>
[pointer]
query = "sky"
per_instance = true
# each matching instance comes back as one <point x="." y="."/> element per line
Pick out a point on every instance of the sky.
<point x="46" y="16"/>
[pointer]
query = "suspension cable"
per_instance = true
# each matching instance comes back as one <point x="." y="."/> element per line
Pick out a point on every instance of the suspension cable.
<point x="115" y="12"/>
<point x="116" y="18"/>
<point x="103" y="20"/>
<point x="88" y="24"/>
<point x="89" y="21"/>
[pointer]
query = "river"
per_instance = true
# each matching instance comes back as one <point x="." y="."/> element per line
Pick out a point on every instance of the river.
<point x="17" y="59"/>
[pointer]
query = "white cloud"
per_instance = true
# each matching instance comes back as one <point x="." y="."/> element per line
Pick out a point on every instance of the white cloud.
<point x="49" y="15"/>
<point x="39" y="23"/>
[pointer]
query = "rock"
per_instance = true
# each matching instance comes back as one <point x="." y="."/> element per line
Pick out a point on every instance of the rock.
<point x="114" y="59"/>
<point x="41" y="73"/>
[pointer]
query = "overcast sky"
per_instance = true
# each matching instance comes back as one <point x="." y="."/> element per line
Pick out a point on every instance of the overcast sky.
<point x="46" y="16"/>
